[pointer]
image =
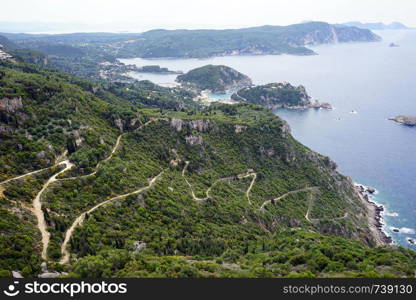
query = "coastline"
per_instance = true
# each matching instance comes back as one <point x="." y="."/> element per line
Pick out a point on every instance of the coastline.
<point x="375" y="215"/>
<point x="204" y="98"/>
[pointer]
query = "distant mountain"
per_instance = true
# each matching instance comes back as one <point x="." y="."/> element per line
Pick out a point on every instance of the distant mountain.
<point x="291" y="39"/>
<point x="377" y="26"/>
<point x="7" y="44"/>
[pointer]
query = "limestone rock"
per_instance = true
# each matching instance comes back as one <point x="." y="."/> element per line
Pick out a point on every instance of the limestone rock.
<point x="11" y="105"/>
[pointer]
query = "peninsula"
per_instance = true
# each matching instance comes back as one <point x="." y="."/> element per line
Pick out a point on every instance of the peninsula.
<point x="409" y="120"/>
<point x="217" y="79"/>
<point x="278" y="95"/>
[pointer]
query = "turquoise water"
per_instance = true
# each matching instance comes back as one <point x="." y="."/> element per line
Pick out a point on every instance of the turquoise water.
<point x="372" y="79"/>
<point x="226" y="96"/>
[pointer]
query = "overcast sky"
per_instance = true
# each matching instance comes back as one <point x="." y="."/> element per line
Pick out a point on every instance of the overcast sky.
<point x="138" y="15"/>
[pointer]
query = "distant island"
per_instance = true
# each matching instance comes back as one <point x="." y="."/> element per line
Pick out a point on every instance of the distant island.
<point x="377" y="26"/>
<point x="157" y="69"/>
<point x="217" y="79"/>
<point x="406" y="120"/>
<point x="393" y="45"/>
<point x="278" y="95"/>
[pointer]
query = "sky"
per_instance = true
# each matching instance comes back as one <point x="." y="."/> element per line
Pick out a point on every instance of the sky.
<point x="139" y="15"/>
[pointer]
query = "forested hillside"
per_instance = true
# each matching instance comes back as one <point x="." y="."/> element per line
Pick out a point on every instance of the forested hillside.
<point x="113" y="180"/>
<point x="217" y="79"/>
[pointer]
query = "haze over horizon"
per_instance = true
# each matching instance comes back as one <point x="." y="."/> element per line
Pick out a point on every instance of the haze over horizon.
<point x="128" y="15"/>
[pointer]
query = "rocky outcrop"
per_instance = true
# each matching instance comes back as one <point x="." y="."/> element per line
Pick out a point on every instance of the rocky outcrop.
<point x="317" y="104"/>
<point x="11" y="105"/>
<point x="239" y="128"/>
<point x="177" y="124"/>
<point x="285" y="129"/>
<point x="6" y="130"/>
<point x="194" y="140"/>
<point x="119" y="124"/>
<point x="16" y="274"/>
<point x="139" y="246"/>
<point x="127" y="123"/>
<point x="375" y="217"/>
<point x="201" y="125"/>
<point x="49" y="274"/>
<point x="406" y="120"/>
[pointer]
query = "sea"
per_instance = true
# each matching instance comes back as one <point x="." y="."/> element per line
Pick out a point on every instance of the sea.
<point x="367" y="83"/>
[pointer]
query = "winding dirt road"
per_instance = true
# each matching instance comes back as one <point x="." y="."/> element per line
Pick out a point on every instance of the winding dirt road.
<point x="116" y="146"/>
<point x="37" y="208"/>
<point x="310" y="206"/>
<point x="190" y="186"/>
<point x="57" y="162"/>
<point x="78" y="221"/>
<point x="287" y="194"/>
<point x="22" y="176"/>
<point x="249" y="174"/>
<point x="208" y="191"/>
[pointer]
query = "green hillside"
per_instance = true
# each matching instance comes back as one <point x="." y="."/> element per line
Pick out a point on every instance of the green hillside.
<point x="274" y="95"/>
<point x="214" y="78"/>
<point x="169" y="189"/>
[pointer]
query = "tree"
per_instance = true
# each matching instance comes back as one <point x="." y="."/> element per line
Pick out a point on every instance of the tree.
<point x="93" y="267"/>
<point x="71" y="144"/>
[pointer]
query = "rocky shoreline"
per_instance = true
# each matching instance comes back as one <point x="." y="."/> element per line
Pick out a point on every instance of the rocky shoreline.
<point x="375" y="215"/>
<point x="316" y="104"/>
<point x="406" y="120"/>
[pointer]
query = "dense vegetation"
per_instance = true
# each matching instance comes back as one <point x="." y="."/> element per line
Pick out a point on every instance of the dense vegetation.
<point x="294" y="253"/>
<point x="214" y="78"/>
<point x="232" y="195"/>
<point x="274" y="95"/>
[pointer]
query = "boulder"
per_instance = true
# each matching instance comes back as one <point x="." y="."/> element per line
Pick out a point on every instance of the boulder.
<point x="16" y="274"/>
<point x="371" y="190"/>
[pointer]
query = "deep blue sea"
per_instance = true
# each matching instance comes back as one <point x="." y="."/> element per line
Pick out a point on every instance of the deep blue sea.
<point x="370" y="79"/>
